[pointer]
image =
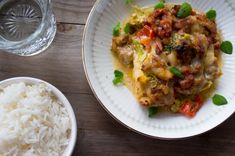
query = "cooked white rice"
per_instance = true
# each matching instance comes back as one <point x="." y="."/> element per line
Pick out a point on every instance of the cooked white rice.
<point x="32" y="122"/>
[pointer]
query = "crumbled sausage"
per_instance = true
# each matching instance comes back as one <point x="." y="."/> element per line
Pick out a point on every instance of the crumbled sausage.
<point x="187" y="82"/>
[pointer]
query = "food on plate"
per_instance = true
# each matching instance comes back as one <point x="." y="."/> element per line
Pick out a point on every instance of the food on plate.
<point x="170" y="56"/>
<point x="33" y="121"/>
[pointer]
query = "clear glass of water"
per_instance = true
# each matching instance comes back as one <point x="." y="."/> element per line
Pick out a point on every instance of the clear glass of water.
<point x="27" y="27"/>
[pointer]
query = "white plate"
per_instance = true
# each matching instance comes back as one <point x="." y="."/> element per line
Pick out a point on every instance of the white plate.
<point x="119" y="101"/>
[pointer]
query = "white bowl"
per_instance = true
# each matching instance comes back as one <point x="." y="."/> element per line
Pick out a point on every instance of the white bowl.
<point x="28" y="80"/>
<point x="119" y="101"/>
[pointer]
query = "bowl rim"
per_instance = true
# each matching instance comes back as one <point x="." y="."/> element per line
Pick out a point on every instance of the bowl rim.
<point x="88" y="21"/>
<point x="30" y="80"/>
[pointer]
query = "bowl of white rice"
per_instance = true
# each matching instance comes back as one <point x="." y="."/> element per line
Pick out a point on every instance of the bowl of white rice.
<point x="36" y="119"/>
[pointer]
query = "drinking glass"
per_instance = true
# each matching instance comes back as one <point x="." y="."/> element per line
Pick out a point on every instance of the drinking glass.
<point x="27" y="27"/>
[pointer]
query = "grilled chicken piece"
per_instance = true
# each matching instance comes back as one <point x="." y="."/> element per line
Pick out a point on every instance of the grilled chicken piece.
<point x="124" y="50"/>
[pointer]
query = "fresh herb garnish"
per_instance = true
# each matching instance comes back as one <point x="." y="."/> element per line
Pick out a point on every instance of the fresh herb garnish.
<point x="211" y="15"/>
<point x="227" y="47"/>
<point x="185" y="10"/>
<point x="129" y="1"/>
<point x="168" y="48"/>
<point x="176" y="72"/>
<point x="129" y="28"/>
<point x="152" y="111"/>
<point x="118" y="77"/>
<point x="116" y="29"/>
<point x="219" y="100"/>
<point x="159" y="5"/>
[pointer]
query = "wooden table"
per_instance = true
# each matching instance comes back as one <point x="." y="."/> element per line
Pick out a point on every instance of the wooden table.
<point x="98" y="133"/>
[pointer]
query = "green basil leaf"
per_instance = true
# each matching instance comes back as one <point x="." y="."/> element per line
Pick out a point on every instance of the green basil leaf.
<point x="185" y="10"/>
<point x="152" y="111"/>
<point x="116" y="29"/>
<point x="227" y="47"/>
<point x="159" y="5"/>
<point x="129" y="1"/>
<point x="118" y="77"/>
<point x="219" y="100"/>
<point x="211" y="15"/>
<point x="127" y="28"/>
<point x="168" y="48"/>
<point x="176" y="72"/>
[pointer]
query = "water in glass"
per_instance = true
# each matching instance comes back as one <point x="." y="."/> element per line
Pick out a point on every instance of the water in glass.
<point x="27" y="27"/>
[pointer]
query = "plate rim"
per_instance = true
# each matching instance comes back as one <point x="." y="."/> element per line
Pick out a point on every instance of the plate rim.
<point x="106" y="109"/>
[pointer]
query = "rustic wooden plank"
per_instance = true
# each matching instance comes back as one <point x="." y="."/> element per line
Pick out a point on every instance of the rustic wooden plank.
<point x="72" y="11"/>
<point x="60" y="65"/>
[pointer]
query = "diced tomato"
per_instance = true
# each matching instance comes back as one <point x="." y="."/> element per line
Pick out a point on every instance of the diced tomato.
<point x="146" y="41"/>
<point x="146" y="36"/>
<point x="186" y="109"/>
<point x="199" y="101"/>
<point x="146" y="31"/>
<point x="190" y="108"/>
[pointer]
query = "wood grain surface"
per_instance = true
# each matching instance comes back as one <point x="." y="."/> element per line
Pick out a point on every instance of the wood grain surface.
<point x="98" y="133"/>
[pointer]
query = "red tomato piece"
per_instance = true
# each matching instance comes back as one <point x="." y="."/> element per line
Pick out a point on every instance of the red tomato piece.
<point x="186" y="109"/>
<point x="199" y="100"/>
<point x="146" y="31"/>
<point x="146" y="36"/>
<point x="190" y="108"/>
<point x="146" y="41"/>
